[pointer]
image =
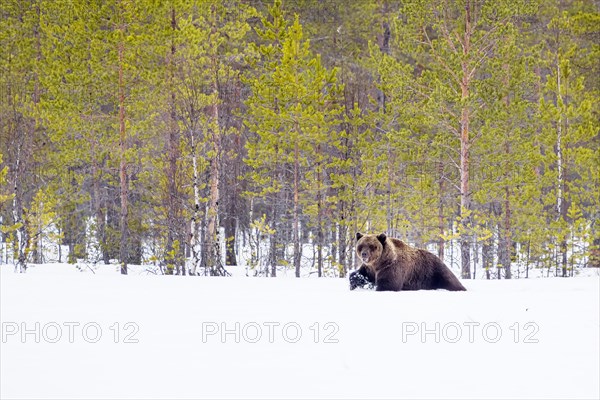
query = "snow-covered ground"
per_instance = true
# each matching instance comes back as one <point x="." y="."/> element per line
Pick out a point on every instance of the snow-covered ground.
<point x="71" y="334"/>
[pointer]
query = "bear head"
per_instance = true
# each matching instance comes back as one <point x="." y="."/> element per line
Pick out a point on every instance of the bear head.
<point x="370" y="247"/>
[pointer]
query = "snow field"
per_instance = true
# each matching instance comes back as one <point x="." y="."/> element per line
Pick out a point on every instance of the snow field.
<point x="67" y="334"/>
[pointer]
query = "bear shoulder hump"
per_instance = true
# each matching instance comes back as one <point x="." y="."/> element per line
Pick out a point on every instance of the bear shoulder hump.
<point x="398" y="243"/>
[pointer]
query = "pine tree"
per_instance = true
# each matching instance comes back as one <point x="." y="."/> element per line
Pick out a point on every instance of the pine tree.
<point x="569" y="128"/>
<point x="21" y="132"/>
<point x="456" y="41"/>
<point x="292" y="113"/>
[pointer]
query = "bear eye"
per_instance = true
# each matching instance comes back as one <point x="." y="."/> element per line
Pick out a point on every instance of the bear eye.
<point x="372" y="248"/>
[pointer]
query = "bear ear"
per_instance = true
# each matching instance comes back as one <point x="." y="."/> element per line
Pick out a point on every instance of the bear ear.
<point x="358" y="236"/>
<point x="382" y="238"/>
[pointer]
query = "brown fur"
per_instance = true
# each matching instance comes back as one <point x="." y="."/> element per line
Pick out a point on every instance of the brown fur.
<point x="393" y="265"/>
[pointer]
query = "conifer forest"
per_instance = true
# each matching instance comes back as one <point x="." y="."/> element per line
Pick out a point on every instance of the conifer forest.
<point x="195" y="135"/>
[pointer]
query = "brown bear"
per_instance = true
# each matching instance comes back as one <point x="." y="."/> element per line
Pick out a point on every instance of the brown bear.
<point x="392" y="265"/>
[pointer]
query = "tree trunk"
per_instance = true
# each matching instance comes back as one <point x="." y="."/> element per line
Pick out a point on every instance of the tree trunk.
<point x="342" y="245"/>
<point x="465" y="117"/>
<point x="320" y="251"/>
<point x="528" y="258"/>
<point x="486" y="258"/>
<point x="388" y="196"/>
<point x="124" y="241"/>
<point x="195" y="222"/>
<point x="296" y="233"/>
<point x="230" y="234"/>
<point x="213" y="260"/>
<point x="319" y="215"/>
<point x="501" y="248"/>
<point x="18" y="217"/>
<point x="560" y="201"/>
<point x="505" y="243"/>
<point x="465" y="195"/>
<point x="213" y="200"/>
<point x="273" y="238"/>
<point x="441" y="225"/>
<point x="172" y="261"/>
<point x="506" y="238"/>
<point x="475" y="258"/>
